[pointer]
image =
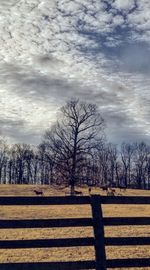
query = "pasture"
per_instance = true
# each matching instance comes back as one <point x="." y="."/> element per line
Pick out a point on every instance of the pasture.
<point x="66" y="254"/>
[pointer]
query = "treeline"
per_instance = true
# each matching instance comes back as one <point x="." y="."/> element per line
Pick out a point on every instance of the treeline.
<point x="127" y="166"/>
<point x="74" y="151"/>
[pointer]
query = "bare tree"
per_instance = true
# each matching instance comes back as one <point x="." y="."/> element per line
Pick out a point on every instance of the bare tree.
<point x="20" y="164"/>
<point x="3" y="160"/>
<point x="127" y="152"/>
<point x="78" y="129"/>
<point x="113" y="155"/>
<point x="141" y="158"/>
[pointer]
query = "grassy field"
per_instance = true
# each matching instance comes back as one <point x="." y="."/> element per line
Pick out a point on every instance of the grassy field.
<point x="65" y="254"/>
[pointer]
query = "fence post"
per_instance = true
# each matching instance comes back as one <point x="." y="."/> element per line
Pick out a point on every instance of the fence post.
<point x="98" y="232"/>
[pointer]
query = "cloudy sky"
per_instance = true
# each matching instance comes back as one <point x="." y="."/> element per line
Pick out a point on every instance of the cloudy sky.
<point x="53" y="50"/>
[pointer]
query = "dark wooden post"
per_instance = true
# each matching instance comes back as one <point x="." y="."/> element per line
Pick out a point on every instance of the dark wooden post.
<point x="98" y="233"/>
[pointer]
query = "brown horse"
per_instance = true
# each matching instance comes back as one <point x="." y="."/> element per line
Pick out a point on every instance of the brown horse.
<point x="37" y="192"/>
<point x="76" y="192"/>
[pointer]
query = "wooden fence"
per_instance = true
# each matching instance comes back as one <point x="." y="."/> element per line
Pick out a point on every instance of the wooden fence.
<point x="99" y="241"/>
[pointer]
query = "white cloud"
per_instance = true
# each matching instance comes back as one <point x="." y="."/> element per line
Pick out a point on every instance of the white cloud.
<point x="118" y="20"/>
<point x="124" y="4"/>
<point x="140" y="19"/>
<point x="52" y="50"/>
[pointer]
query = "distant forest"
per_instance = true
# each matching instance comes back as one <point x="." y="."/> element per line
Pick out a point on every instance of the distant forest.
<point x="74" y="151"/>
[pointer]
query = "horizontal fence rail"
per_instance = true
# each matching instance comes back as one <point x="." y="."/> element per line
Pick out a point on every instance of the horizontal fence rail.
<point x="125" y="263"/>
<point x="124" y="200"/>
<point x="124" y="221"/>
<point x="127" y="241"/>
<point x="46" y="223"/>
<point x="70" y="200"/>
<point x="49" y="266"/>
<point x="47" y="243"/>
<point x="98" y="222"/>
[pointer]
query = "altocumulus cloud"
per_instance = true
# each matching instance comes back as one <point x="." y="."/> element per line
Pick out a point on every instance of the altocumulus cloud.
<point x="51" y="51"/>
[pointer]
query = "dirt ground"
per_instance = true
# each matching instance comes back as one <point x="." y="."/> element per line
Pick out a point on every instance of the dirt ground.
<point x="76" y="253"/>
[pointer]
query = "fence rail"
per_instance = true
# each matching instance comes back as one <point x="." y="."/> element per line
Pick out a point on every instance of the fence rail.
<point x="47" y="243"/>
<point x="46" y="223"/>
<point x="71" y="200"/>
<point x="98" y="222"/>
<point x="49" y="266"/>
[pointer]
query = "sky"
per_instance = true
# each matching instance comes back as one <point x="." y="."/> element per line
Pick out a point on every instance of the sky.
<point x="55" y="50"/>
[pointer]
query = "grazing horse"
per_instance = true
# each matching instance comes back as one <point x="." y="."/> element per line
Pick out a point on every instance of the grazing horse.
<point x="113" y="190"/>
<point x="122" y="188"/>
<point x="76" y="192"/>
<point x="90" y="189"/>
<point x="104" y="188"/>
<point x="37" y="192"/>
<point x="110" y="193"/>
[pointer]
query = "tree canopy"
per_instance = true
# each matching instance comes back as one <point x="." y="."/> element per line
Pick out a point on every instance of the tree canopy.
<point x="77" y="131"/>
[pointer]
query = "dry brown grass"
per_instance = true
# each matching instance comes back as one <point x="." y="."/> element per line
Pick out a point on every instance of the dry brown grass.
<point x="65" y="254"/>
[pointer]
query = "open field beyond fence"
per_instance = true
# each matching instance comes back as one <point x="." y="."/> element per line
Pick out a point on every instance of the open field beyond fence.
<point x="45" y="212"/>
